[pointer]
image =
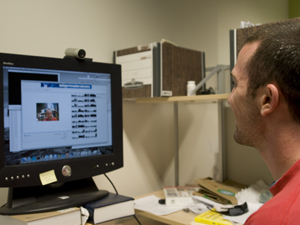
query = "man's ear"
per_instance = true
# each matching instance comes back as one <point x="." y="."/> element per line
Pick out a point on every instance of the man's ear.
<point x="269" y="100"/>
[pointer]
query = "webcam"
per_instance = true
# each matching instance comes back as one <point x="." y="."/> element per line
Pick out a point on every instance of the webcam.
<point x="75" y="52"/>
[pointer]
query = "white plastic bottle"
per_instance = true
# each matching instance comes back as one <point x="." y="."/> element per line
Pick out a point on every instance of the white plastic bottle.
<point x="190" y="86"/>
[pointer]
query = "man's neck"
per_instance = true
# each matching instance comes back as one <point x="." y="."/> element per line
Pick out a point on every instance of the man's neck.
<point x="281" y="150"/>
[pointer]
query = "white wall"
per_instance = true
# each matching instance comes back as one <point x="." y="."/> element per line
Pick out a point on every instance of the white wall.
<point x="47" y="28"/>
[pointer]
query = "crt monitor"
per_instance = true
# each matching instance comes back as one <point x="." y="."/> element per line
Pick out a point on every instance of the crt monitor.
<point x="61" y="124"/>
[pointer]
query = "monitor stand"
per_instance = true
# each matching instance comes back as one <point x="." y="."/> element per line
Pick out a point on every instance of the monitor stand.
<point x="57" y="196"/>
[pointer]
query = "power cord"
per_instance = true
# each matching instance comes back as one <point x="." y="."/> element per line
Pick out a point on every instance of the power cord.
<point x="111" y="183"/>
<point x="137" y="219"/>
<point x="118" y="193"/>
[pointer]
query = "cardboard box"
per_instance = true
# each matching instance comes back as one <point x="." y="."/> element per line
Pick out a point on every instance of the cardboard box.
<point x="216" y="191"/>
<point x="179" y="65"/>
<point x="159" y="69"/>
<point x="140" y="70"/>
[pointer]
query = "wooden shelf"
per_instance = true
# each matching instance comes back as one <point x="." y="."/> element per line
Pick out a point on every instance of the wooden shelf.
<point x="198" y="98"/>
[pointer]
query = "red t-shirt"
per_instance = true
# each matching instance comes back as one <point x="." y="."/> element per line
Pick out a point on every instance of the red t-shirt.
<point x="53" y="119"/>
<point x="284" y="207"/>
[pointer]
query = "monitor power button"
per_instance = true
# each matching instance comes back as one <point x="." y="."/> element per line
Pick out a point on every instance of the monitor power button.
<point x="66" y="171"/>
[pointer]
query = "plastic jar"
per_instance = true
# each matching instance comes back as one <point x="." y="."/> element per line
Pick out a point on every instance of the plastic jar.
<point x="190" y="86"/>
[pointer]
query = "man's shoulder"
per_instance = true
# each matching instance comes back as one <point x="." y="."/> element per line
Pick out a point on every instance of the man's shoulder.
<point x="289" y="183"/>
<point x="267" y="214"/>
<point x="281" y="209"/>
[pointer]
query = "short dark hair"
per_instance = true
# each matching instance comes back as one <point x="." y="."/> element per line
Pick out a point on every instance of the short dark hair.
<point x="277" y="60"/>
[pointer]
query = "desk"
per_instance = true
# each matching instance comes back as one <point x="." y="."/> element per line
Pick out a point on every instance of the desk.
<point x="178" y="218"/>
<point x="146" y="218"/>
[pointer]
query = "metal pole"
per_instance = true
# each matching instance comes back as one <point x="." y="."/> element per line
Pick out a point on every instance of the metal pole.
<point x="176" y="145"/>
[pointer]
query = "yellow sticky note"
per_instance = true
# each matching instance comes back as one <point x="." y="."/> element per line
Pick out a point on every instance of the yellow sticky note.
<point x="48" y="177"/>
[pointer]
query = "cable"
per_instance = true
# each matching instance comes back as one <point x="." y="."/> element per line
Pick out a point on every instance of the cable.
<point x="111" y="183"/>
<point x="137" y="219"/>
<point x="118" y="193"/>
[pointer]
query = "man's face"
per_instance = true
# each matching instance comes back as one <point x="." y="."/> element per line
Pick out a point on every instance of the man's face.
<point x="49" y="114"/>
<point x="246" y="111"/>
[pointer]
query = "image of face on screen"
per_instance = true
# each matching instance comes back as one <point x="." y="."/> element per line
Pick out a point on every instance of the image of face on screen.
<point x="47" y="111"/>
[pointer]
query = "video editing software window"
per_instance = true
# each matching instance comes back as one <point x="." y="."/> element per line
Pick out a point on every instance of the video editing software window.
<point x="52" y="115"/>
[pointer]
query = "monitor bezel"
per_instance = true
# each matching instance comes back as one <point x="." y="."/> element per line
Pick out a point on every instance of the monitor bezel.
<point x="23" y="175"/>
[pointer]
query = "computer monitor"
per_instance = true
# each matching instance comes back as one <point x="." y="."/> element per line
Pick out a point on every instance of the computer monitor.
<point x="61" y="124"/>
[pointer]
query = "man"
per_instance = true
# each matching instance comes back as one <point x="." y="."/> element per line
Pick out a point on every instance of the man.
<point x="266" y="104"/>
<point x="50" y="116"/>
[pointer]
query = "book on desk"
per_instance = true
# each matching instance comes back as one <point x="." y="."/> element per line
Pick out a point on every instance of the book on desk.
<point x="113" y="206"/>
<point x="211" y="217"/>
<point x="71" y="216"/>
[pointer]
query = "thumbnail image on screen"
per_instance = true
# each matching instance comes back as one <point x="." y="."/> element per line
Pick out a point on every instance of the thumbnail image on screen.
<point x="47" y="111"/>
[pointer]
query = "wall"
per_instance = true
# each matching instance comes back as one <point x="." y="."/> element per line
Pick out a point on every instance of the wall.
<point x="294" y="10"/>
<point x="47" y="28"/>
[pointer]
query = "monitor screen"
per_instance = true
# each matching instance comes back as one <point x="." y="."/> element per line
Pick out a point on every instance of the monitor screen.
<point x="61" y="120"/>
<point x="58" y="115"/>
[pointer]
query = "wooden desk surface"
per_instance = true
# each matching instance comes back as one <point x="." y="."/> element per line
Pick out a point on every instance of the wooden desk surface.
<point x="177" y="218"/>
